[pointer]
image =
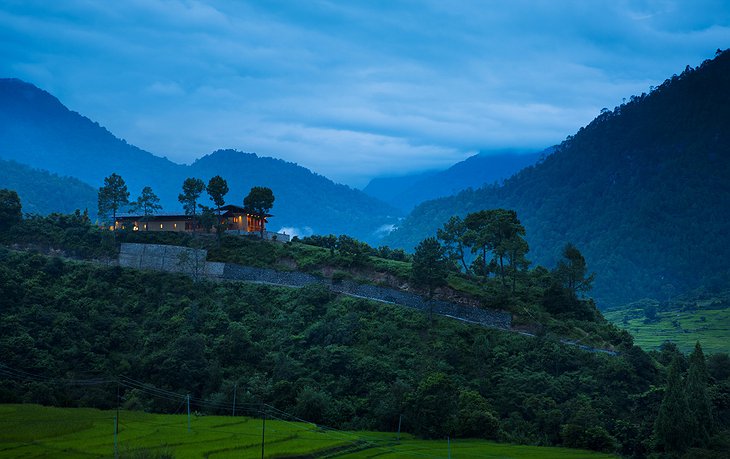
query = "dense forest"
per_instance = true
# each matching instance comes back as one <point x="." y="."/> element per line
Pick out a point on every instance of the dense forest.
<point x="332" y="360"/>
<point x="35" y="187"/>
<point x="642" y="191"/>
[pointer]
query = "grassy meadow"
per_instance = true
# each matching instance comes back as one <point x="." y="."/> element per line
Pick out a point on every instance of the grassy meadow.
<point x="33" y="431"/>
<point x="711" y="327"/>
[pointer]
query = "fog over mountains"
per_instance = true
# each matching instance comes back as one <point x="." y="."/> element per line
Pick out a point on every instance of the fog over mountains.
<point x="642" y="191"/>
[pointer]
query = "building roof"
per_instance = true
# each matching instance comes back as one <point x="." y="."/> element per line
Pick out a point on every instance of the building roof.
<point x="227" y="209"/>
<point x="239" y="210"/>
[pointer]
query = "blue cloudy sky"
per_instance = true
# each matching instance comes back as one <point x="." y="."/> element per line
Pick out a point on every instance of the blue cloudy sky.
<point x="352" y="89"/>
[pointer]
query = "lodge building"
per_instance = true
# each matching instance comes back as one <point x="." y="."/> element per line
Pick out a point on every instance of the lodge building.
<point x="237" y="220"/>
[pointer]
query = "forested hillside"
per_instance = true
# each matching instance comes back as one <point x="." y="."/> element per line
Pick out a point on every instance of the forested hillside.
<point x="36" y="129"/>
<point x="43" y="193"/>
<point x="642" y="191"/>
<point x="481" y="169"/>
<point x="333" y="360"/>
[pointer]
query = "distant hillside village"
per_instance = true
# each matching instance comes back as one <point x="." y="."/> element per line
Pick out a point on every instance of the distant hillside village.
<point x="143" y="214"/>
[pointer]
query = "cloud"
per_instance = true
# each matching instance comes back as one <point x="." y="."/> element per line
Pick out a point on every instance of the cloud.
<point x="352" y="90"/>
<point x="295" y="231"/>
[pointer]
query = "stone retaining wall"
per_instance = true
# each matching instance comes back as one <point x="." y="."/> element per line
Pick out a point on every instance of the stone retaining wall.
<point x="192" y="262"/>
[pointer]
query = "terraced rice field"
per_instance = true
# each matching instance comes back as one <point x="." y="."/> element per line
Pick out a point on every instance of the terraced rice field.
<point x="711" y="327"/>
<point x="32" y="431"/>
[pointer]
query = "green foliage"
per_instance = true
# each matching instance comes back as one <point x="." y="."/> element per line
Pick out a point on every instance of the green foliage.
<point x="700" y="411"/>
<point x="35" y="186"/>
<point x="452" y="235"/>
<point x="10" y="209"/>
<point x="348" y="362"/>
<point x="701" y="317"/>
<point x="572" y="270"/>
<point x="671" y="429"/>
<point x="642" y="190"/>
<point x="148" y="203"/>
<point x="192" y="189"/>
<point x="73" y="235"/>
<point x="217" y="189"/>
<point x="430" y="266"/>
<point x="38" y="431"/>
<point x="259" y="202"/>
<point x="112" y="196"/>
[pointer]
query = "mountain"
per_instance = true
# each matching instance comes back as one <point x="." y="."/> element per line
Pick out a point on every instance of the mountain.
<point x="42" y="192"/>
<point x="484" y="168"/>
<point x="642" y="191"/>
<point x="307" y="201"/>
<point x="388" y="189"/>
<point x="36" y="129"/>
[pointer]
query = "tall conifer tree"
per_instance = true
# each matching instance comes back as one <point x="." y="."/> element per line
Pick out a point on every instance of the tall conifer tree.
<point x="700" y="412"/>
<point x="671" y="426"/>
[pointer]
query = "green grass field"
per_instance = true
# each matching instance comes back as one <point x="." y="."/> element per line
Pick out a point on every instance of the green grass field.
<point x="711" y="327"/>
<point x="33" y="431"/>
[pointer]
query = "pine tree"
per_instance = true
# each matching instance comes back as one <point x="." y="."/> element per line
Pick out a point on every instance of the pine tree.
<point x="147" y="203"/>
<point x="113" y="196"/>
<point x="192" y="188"/>
<point x="700" y="414"/>
<point x="671" y="427"/>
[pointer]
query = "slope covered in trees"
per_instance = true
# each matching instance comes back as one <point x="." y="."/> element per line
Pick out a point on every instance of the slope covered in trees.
<point x="333" y="360"/>
<point x="642" y="191"/>
<point x="38" y="130"/>
<point x="482" y="169"/>
<point x="43" y="193"/>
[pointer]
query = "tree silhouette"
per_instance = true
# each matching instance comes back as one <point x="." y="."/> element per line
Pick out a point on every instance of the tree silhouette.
<point x="259" y="201"/>
<point x="192" y="189"/>
<point x="147" y="203"/>
<point x="112" y="196"/>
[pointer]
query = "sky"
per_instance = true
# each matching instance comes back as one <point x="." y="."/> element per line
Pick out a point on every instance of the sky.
<point x="352" y="89"/>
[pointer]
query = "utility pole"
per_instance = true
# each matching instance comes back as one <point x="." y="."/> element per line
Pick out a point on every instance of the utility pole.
<point x="116" y="447"/>
<point x="116" y="426"/>
<point x="234" y="399"/>
<point x="263" y="431"/>
<point x="400" y="418"/>
<point x="188" y="398"/>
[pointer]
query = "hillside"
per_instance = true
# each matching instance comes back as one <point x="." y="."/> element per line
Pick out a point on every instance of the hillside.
<point x="642" y="191"/>
<point x="333" y="360"/>
<point x="37" y="130"/>
<point x="482" y="169"/>
<point x="70" y="329"/>
<point x="307" y="201"/>
<point x="43" y="193"/>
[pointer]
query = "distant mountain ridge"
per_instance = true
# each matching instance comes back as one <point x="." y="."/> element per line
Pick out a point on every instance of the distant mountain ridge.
<point x="476" y="171"/>
<point x="36" y="129"/>
<point x="643" y="191"/>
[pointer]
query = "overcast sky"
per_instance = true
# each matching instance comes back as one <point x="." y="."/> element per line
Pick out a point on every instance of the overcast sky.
<point x="352" y="89"/>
